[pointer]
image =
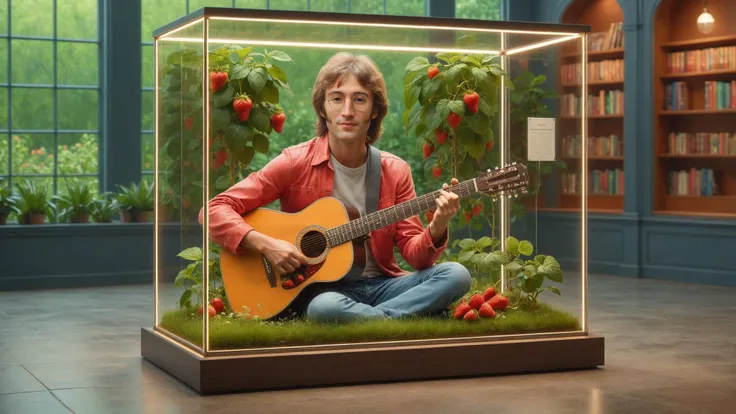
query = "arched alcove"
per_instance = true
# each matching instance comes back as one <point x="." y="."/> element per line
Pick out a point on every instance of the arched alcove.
<point x="694" y="95"/>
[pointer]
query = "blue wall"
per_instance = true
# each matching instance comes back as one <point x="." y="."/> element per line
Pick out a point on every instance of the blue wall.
<point x="637" y="243"/>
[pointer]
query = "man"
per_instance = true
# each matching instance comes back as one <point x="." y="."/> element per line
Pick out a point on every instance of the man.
<point x="350" y="101"/>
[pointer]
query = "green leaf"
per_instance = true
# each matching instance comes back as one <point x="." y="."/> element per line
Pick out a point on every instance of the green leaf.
<point x="484" y="107"/>
<point x="533" y="283"/>
<point x="185" y="299"/>
<point x="269" y="93"/>
<point x="496" y="69"/>
<point x="191" y="253"/>
<point x="223" y="182"/>
<point x="416" y="64"/>
<point x="457" y="106"/>
<point x="554" y="290"/>
<point x="223" y="96"/>
<point x="235" y="133"/>
<point x="466" y="244"/>
<point x="526" y="248"/>
<point x="239" y="71"/>
<point x="257" y="79"/>
<point x="279" y="55"/>
<point x="442" y="108"/>
<point x="244" y="51"/>
<point x="260" y="143"/>
<point x="245" y="154"/>
<point x="489" y="262"/>
<point x="465" y="256"/>
<point x="483" y="242"/>
<point x="499" y="257"/>
<point x="220" y="118"/>
<point x="277" y="73"/>
<point x="539" y="80"/>
<point x="515" y="265"/>
<point x="476" y="148"/>
<point x="454" y="73"/>
<point x="551" y="269"/>
<point x="411" y="93"/>
<point x="182" y="276"/>
<point x="512" y="245"/>
<point x="480" y="76"/>
<point x="467" y="169"/>
<point x="540" y="258"/>
<point x="260" y="118"/>
<point x="479" y="123"/>
<point x="449" y="57"/>
<point x="234" y="57"/>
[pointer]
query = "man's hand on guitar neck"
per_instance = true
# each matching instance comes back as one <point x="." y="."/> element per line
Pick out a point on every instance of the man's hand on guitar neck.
<point x="448" y="204"/>
<point x="284" y="256"/>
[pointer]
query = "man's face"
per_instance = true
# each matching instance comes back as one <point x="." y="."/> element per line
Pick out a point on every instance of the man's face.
<point x="349" y="110"/>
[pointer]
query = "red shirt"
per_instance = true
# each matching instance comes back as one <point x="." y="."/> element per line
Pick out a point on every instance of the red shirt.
<point x="302" y="174"/>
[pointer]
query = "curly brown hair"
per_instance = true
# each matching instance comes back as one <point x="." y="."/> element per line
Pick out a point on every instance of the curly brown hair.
<point x="367" y="73"/>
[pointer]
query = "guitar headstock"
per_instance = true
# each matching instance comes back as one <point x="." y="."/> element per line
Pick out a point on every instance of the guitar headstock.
<point x="506" y="181"/>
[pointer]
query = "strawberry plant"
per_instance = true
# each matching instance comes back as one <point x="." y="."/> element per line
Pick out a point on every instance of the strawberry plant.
<point x="192" y="277"/>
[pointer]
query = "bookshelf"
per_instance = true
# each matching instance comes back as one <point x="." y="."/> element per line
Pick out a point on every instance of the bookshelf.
<point x="605" y="110"/>
<point x="695" y="108"/>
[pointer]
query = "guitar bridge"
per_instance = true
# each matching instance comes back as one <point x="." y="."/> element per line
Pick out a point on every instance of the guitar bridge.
<point x="270" y="275"/>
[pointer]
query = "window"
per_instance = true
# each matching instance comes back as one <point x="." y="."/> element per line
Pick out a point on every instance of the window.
<point x="49" y="92"/>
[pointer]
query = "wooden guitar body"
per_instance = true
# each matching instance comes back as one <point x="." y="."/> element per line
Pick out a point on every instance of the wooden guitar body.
<point x="252" y="284"/>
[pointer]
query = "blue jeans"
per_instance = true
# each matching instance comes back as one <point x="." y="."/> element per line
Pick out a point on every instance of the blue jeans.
<point x="424" y="292"/>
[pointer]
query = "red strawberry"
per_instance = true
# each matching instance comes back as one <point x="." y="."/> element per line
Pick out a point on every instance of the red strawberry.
<point x="461" y="310"/>
<point x="472" y="315"/>
<point x="499" y="302"/>
<point x="220" y="158"/>
<point x="489" y="293"/>
<point x="299" y="278"/>
<point x="476" y="301"/>
<point x="436" y="171"/>
<point x="428" y="149"/>
<point x="454" y="120"/>
<point x="477" y="209"/>
<point x="218" y="305"/>
<point x="486" y="311"/>
<point x="277" y="121"/>
<point x="188" y="123"/>
<point x="432" y="72"/>
<point x="489" y="146"/>
<point x="217" y="80"/>
<point x="242" y="105"/>
<point x="289" y="284"/>
<point x="199" y="311"/>
<point x="211" y="311"/>
<point x="468" y="215"/>
<point x="471" y="101"/>
<point x="440" y="136"/>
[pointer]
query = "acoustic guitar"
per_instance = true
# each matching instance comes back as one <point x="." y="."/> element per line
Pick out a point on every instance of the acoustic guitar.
<point x="332" y="238"/>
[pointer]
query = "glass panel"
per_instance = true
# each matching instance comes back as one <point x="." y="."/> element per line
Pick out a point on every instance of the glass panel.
<point x="76" y="63"/>
<point x="147" y="152"/>
<point x="4" y="154"/>
<point x="147" y="66"/>
<point x="288" y="5"/>
<point x="156" y="13"/>
<point x="76" y="19"/>
<point x="33" y="18"/>
<point x="78" y="109"/>
<point x="180" y="182"/>
<point x="478" y="9"/>
<point x="3" y="17"/>
<point x="32" y="108"/>
<point x="33" y="154"/>
<point x="147" y="113"/>
<point x="3" y="108"/>
<point x="4" y="56"/>
<point x="78" y="154"/>
<point x="33" y="61"/>
<point x="407" y="8"/>
<point x="434" y="121"/>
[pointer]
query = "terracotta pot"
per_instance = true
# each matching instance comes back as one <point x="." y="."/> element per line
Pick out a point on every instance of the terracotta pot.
<point x="125" y="216"/>
<point x="3" y="219"/>
<point x="143" y="216"/>
<point x="166" y="213"/>
<point x="36" y="218"/>
<point x="79" y="218"/>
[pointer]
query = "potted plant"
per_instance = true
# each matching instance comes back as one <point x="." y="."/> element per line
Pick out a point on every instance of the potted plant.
<point x="76" y="204"/>
<point x="136" y="202"/>
<point x="7" y="203"/>
<point x="33" y="204"/>
<point x="103" y="208"/>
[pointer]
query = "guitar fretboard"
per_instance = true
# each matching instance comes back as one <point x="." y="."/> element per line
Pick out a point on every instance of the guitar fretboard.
<point x="382" y="218"/>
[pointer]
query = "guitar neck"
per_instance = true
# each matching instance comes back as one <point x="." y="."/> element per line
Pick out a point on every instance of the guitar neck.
<point x="385" y="217"/>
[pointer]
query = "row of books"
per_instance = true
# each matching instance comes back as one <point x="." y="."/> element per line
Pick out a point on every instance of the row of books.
<point x="702" y="60"/>
<point x="604" y="103"/>
<point x="611" y="39"/>
<point x="676" y="96"/>
<point x="601" y="71"/>
<point x="600" y="182"/>
<point x="693" y="182"/>
<point x="602" y="146"/>
<point x="720" y="95"/>
<point x="701" y="143"/>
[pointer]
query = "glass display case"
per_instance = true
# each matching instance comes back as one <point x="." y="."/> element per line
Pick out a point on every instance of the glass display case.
<point x="244" y="106"/>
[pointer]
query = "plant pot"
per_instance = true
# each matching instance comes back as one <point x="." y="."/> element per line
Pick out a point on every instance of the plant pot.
<point x="125" y="216"/>
<point x="36" y="218"/>
<point x="3" y="219"/>
<point x="143" y="216"/>
<point x="165" y="214"/>
<point x="79" y="218"/>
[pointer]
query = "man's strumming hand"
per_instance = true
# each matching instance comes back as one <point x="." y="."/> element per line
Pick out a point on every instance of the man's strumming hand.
<point x="448" y="204"/>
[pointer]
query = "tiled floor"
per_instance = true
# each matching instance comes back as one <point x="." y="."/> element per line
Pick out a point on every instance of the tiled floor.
<point x="670" y="348"/>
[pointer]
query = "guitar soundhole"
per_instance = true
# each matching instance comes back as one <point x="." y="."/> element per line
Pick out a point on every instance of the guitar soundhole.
<point x="313" y="244"/>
